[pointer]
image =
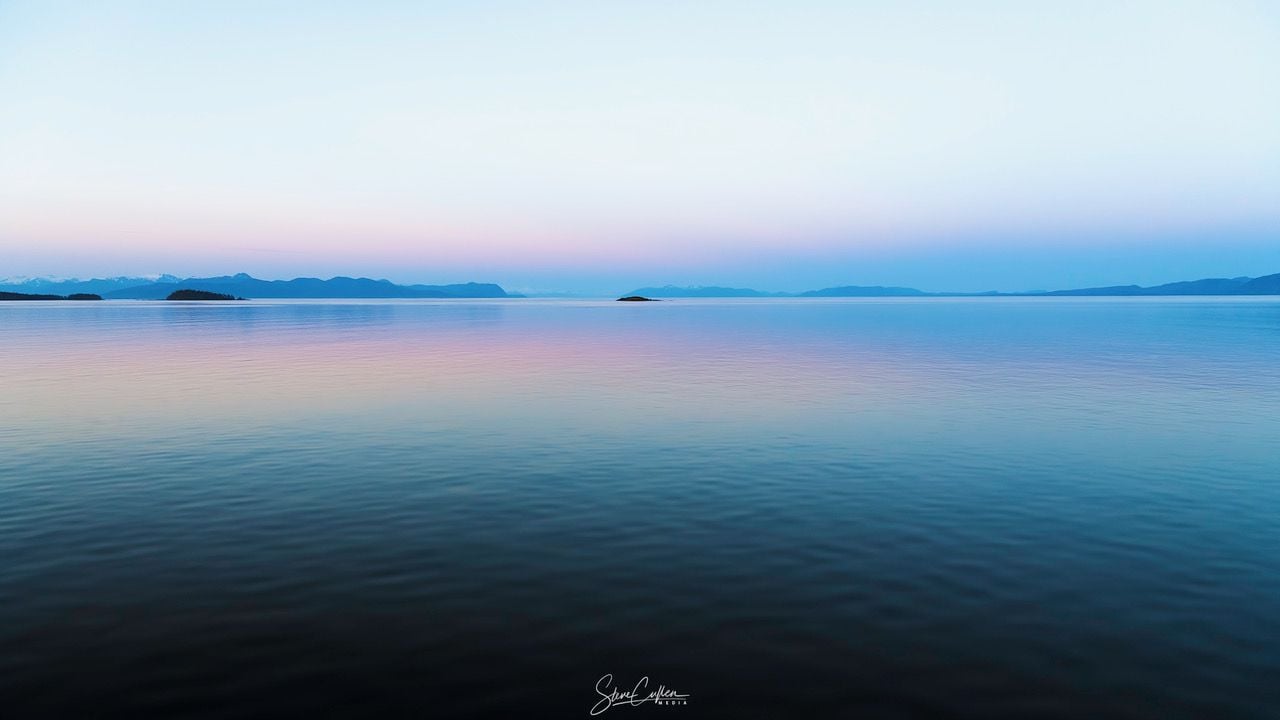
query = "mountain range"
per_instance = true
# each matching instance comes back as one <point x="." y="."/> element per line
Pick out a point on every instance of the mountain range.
<point x="671" y="291"/>
<point x="244" y="285"/>
<point x="1265" y="285"/>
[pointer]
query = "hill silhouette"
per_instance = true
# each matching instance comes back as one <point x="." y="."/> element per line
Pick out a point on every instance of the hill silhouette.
<point x="186" y="294"/>
<point x="245" y="285"/>
<point x="29" y="296"/>
<point x="1265" y="285"/>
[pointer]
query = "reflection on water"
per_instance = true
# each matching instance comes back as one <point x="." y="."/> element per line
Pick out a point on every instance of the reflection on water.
<point x="867" y="508"/>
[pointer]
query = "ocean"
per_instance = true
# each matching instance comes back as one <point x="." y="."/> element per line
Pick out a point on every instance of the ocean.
<point x="827" y="508"/>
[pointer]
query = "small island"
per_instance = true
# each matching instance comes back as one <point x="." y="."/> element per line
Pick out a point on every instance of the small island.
<point x="26" y="296"/>
<point x="637" y="298"/>
<point x="200" y="295"/>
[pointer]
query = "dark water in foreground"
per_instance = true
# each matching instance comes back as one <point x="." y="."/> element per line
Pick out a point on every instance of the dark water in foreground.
<point x="855" y="509"/>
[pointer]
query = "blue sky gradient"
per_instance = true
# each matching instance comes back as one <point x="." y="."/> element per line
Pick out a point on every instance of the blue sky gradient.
<point x="587" y="146"/>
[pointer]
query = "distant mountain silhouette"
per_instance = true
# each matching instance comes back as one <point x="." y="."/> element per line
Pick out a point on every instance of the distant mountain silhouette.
<point x="29" y="296"/>
<point x="99" y="286"/>
<point x="1265" y="285"/>
<point x="671" y="291"/>
<point x="244" y="285"/>
<point x="1209" y="286"/>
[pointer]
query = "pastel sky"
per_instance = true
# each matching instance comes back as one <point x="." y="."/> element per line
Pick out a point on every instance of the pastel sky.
<point x="596" y="146"/>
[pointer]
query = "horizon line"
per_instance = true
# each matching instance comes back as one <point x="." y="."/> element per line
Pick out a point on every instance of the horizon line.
<point x="162" y="278"/>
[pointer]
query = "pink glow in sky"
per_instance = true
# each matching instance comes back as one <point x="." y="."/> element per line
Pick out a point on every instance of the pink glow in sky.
<point x="787" y="145"/>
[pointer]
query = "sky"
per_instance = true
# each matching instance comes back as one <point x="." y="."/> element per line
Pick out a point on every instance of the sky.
<point x="599" y="146"/>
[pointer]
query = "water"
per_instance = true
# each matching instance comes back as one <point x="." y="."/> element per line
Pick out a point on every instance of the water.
<point x="986" y="508"/>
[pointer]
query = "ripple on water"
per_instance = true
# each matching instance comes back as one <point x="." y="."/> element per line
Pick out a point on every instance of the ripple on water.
<point x="827" y="509"/>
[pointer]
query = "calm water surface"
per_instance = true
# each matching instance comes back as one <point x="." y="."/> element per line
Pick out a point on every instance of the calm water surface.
<point x="973" y="508"/>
